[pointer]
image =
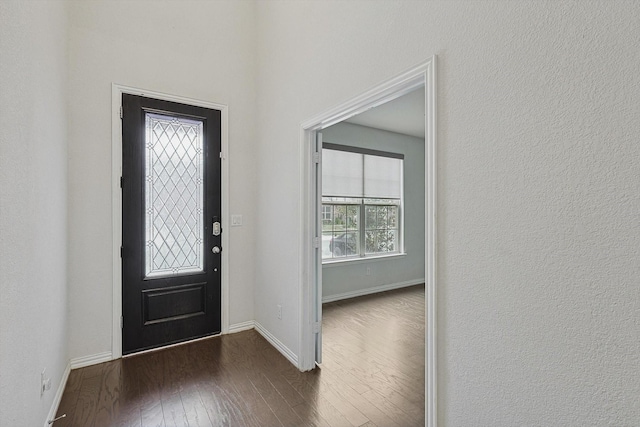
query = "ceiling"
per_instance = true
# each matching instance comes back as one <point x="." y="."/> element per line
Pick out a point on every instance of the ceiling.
<point x="402" y="115"/>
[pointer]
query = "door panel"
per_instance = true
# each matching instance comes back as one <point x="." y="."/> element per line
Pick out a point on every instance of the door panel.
<point x="167" y="304"/>
<point x="171" y="196"/>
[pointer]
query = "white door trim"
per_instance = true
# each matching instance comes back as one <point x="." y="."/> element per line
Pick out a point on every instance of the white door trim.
<point x="423" y="74"/>
<point x="116" y="202"/>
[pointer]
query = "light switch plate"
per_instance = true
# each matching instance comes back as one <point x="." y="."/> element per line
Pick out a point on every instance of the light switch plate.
<point x="236" y="220"/>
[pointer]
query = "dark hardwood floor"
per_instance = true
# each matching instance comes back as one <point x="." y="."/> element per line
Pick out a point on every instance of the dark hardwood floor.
<point x="372" y="375"/>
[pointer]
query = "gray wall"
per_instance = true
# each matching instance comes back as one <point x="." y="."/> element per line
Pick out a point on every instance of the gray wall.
<point x="347" y="279"/>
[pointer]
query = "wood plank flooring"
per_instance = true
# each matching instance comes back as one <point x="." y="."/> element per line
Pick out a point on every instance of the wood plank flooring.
<point x="372" y="375"/>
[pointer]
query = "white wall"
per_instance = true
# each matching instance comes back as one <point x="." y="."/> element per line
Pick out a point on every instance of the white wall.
<point x="33" y="207"/>
<point x="201" y="50"/>
<point x="539" y="201"/>
<point x="351" y="278"/>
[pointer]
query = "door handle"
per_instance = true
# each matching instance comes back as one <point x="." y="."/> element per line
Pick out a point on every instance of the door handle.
<point x="216" y="226"/>
<point x="216" y="250"/>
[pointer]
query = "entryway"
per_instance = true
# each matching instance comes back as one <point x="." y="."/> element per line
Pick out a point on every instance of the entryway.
<point x="171" y="222"/>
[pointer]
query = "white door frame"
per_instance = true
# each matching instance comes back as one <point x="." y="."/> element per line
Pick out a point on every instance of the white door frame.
<point x="116" y="202"/>
<point x="423" y="74"/>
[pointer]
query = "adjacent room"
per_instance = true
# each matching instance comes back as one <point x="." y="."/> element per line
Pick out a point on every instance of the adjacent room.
<point x="373" y="252"/>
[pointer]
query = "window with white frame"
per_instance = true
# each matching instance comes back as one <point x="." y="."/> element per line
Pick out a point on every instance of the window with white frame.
<point x="362" y="192"/>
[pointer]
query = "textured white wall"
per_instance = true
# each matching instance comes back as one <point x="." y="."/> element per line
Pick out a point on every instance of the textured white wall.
<point x="33" y="207"/>
<point x="201" y="50"/>
<point x="341" y="278"/>
<point x="539" y="194"/>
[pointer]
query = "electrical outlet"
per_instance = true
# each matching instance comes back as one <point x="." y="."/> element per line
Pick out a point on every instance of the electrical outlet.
<point x="236" y="220"/>
<point x="279" y="312"/>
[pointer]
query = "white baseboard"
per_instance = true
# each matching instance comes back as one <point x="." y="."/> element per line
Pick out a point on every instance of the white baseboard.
<point x="243" y="326"/>
<point x="368" y="291"/>
<point x="58" y="397"/>
<point x="93" y="359"/>
<point x="286" y="352"/>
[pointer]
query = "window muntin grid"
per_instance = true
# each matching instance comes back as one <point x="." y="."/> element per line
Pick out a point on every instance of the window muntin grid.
<point x="360" y="227"/>
<point x="174" y="188"/>
<point x="327" y="213"/>
<point x="381" y="229"/>
<point x="341" y="231"/>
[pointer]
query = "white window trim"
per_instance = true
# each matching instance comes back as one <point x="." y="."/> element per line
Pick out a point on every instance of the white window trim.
<point x="336" y="262"/>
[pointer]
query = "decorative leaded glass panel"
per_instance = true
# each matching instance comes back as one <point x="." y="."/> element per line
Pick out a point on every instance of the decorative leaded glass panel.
<point x="173" y="195"/>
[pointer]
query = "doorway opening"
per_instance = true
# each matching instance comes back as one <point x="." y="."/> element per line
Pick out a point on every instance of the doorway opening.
<point x="421" y="76"/>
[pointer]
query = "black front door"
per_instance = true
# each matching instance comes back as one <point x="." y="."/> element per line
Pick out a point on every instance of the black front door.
<point x="171" y="213"/>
